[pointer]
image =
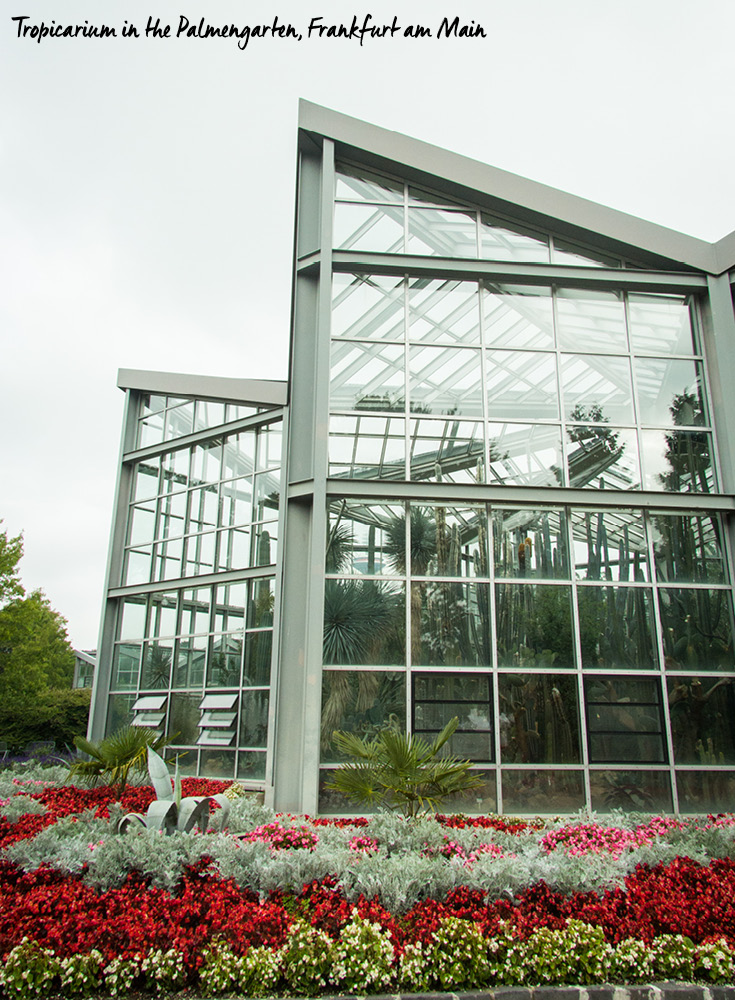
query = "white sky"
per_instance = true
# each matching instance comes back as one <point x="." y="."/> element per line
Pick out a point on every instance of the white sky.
<point x="146" y="195"/>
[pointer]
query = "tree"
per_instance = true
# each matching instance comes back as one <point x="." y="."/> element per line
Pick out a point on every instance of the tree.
<point x="401" y="770"/>
<point x="11" y="551"/>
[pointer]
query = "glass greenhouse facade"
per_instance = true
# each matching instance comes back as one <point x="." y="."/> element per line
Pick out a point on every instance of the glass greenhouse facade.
<point x="497" y="485"/>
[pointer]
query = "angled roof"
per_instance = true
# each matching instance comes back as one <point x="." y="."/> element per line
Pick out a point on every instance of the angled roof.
<point x="528" y="201"/>
<point x="258" y="392"/>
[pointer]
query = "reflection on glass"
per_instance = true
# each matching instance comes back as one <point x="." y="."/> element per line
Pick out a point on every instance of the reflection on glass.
<point x="270" y="441"/>
<point x="172" y="515"/>
<point x="439" y="698"/>
<point x="442" y="232"/>
<point x="705" y="791"/>
<point x="565" y="252"/>
<point x="195" y="607"/>
<point x="368" y="307"/>
<point x="687" y="548"/>
<point x="609" y="545"/>
<point x="702" y="720"/>
<point x="678" y="461"/>
<point x="370" y="228"/>
<point x="539" y="719"/>
<point x="446" y="451"/>
<point x="602" y="457"/>
<point x="125" y="666"/>
<point x="597" y="388"/>
<point x="137" y="566"/>
<point x="145" y="478"/>
<point x="447" y="541"/>
<point x="238" y="454"/>
<point x="254" y="719"/>
<point x="119" y="711"/>
<point x="156" y="666"/>
<point x="616" y="627"/>
<point x="251" y="766"/>
<point x="142" y="523"/>
<point x="258" y="658"/>
<point x="357" y="184"/>
<point x="367" y="376"/>
<point x="444" y="380"/>
<point x="191" y="657"/>
<point x="624" y="720"/>
<point x="521" y="385"/>
<point x="697" y="629"/>
<point x="183" y="719"/>
<point x="363" y="447"/>
<point x="443" y="311"/>
<point x="539" y="792"/>
<point x="518" y="316"/>
<point x="260" y="604"/>
<point x="534" y="626"/>
<point x="206" y="461"/>
<point x="498" y="241"/>
<point x="659" y="324"/>
<point x="450" y="624"/>
<point x="364" y="622"/>
<point x="361" y="702"/>
<point x="225" y="657"/>
<point x="236" y="502"/>
<point x="525" y="455"/>
<point x="217" y="763"/>
<point x="361" y="537"/>
<point x="179" y="420"/>
<point x="132" y="622"/>
<point x="530" y="543"/>
<point x="669" y="392"/>
<point x="591" y="321"/>
<point x="203" y="506"/>
<point x="162" y="614"/>
<point x="631" y="791"/>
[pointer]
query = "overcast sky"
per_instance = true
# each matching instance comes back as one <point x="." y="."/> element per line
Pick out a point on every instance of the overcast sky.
<point x="146" y="203"/>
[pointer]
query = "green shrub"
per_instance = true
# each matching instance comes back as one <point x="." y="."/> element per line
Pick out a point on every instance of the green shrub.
<point x="362" y="957"/>
<point x="460" y="958"/>
<point x="52" y="713"/>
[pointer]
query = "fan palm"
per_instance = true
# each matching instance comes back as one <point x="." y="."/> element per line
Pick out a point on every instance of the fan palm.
<point x="400" y="770"/>
<point x="115" y="756"/>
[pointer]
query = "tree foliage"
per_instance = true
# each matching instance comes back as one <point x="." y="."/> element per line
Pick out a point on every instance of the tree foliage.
<point x="400" y="770"/>
<point x="114" y="757"/>
<point x="11" y="551"/>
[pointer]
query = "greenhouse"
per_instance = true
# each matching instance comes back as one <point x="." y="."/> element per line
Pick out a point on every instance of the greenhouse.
<point x="497" y="484"/>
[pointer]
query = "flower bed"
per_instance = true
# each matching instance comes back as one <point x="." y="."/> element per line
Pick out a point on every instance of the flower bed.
<point x="287" y="904"/>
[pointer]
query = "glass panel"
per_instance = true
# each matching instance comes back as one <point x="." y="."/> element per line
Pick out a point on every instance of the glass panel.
<point x="331" y="802"/>
<point x="660" y="324"/>
<point x="705" y="791"/>
<point x="482" y="800"/>
<point x="688" y="548"/>
<point x="443" y="311"/>
<point x="357" y="184"/>
<point x="142" y="523"/>
<point x="367" y="376"/>
<point x="538" y="792"/>
<point x="260" y="604"/>
<point x="137" y="566"/>
<point x="151" y="403"/>
<point x="518" y="316"/>
<point x="200" y="554"/>
<point x="162" y="614"/>
<point x="601" y="457"/>
<point x="597" y="388"/>
<point x="167" y="559"/>
<point x="238" y="454"/>
<point x="522" y="385"/>
<point x="254" y="719"/>
<point x="530" y="543"/>
<point x="132" y="614"/>
<point x="365" y="538"/>
<point x="183" y="719"/>
<point x="179" y="421"/>
<point x="270" y="439"/>
<point x="150" y="430"/>
<point x="669" y="392"/>
<point x="195" y="608"/>
<point x="233" y="550"/>
<point x="171" y="515"/>
<point x="702" y="714"/>
<point x="125" y="666"/>
<point x="593" y="321"/>
<point x="361" y="702"/>
<point x="208" y="414"/>
<point x="203" y="507"/>
<point x="534" y="625"/>
<point x="225" y="658"/>
<point x="632" y="791"/>
<point x="442" y="232"/>
<point x="368" y="228"/>
<point x="624" y="720"/>
<point x="364" y="622"/>
<point x="258" y="658"/>
<point x="565" y="252"/>
<point x="678" y="461"/>
<point x="266" y="497"/>
<point x="445" y="380"/>
<point x="206" y="462"/>
<point x="525" y="455"/>
<point x="450" y="624"/>
<point x="439" y="698"/>
<point x="229" y="612"/>
<point x="609" y="545"/>
<point x="367" y="447"/>
<point x="156" y="665"/>
<point x="448" y="541"/>
<point x="539" y="719"/>
<point x="145" y="478"/>
<point x="236" y="502"/>
<point x="119" y="711"/>
<point x="448" y="450"/>
<point x="499" y="242"/>
<point x="616" y="628"/>
<point x="368" y="307"/>
<point x="251" y="766"/>
<point x="175" y="465"/>
<point x="191" y="657"/>
<point x="217" y="763"/>
<point x="697" y="629"/>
